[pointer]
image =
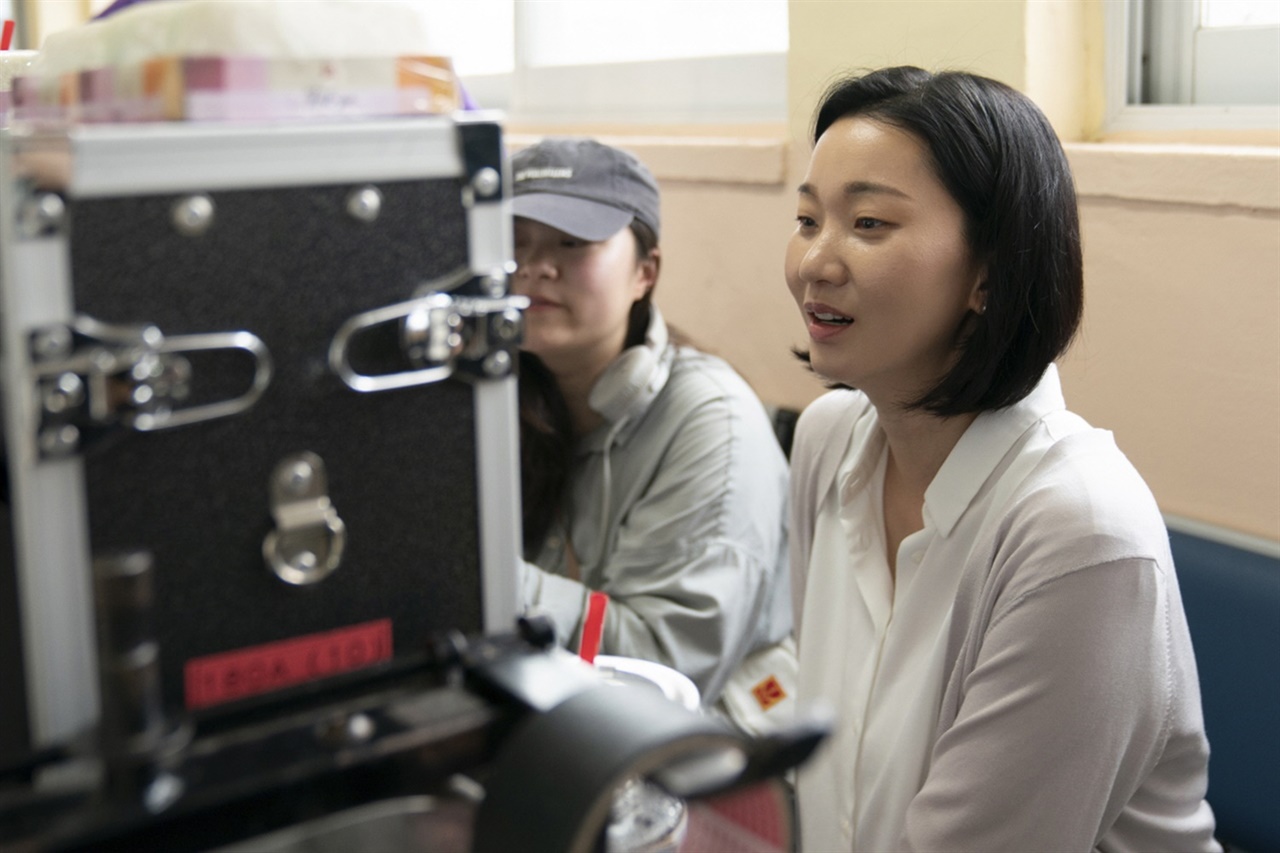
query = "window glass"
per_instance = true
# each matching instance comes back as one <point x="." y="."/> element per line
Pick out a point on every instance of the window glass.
<point x="645" y="61"/>
<point x="1205" y="52"/>
<point x="478" y="34"/>
<point x="1239" y="13"/>
<point x="584" y="32"/>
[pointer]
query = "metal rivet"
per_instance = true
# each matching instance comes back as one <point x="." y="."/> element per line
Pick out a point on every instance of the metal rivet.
<point x="102" y="360"/>
<point x="70" y="384"/>
<point x="497" y="363"/>
<point x="346" y="731"/>
<point x="487" y="181"/>
<point x="50" y="208"/>
<point x="163" y="792"/>
<point x="41" y="213"/>
<point x="65" y="393"/>
<point x="365" y="204"/>
<point x="59" y="441"/>
<point x="193" y="215"/>
<point x="297" y="478"/>
<point x="52" y="342"/>
<point x="360" y="728"/>
<point x="151" y="335"/>
<point x="506" y="326"/>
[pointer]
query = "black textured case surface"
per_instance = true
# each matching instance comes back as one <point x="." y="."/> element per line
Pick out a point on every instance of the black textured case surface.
<point x="289" y="265"/>
<point x="14" y="730"/>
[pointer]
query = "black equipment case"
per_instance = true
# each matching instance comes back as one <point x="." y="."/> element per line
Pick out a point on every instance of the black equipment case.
<point x="270" y="369"/>
<point x="260" y="515"/>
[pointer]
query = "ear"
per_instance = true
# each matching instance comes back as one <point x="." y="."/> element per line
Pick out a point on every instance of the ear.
<point x="646" y="275"/>
<point x="978" y="291"/>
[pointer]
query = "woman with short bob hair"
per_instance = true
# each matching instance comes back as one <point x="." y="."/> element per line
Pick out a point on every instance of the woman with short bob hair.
<point x="1011" y="180"/>
<point x="983" y="586"/>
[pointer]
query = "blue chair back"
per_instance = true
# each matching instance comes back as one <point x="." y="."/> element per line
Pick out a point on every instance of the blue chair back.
<point x="1232" y="601"/>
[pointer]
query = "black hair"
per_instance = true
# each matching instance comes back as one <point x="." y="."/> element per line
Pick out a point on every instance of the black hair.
<point x="546" y="450"/>
<point x="1001" y="161"/>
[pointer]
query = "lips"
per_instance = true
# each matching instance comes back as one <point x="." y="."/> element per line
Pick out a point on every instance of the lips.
<point x="540" y="303"/>
<point x="824" y="321"/>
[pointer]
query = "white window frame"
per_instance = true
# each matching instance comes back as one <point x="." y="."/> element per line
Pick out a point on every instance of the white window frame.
<point x="734" y="89"/>
<point x="745" y="89"/>
<point x="1123" y="59"/>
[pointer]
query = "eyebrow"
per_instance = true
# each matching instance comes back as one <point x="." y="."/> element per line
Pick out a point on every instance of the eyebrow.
<point x="859" y="188"/>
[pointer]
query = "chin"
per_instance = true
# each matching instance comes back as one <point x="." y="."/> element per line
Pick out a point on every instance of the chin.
<point x="831" y="371"/>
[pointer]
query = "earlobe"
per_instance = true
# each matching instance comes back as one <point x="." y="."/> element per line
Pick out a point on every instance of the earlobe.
<point x="980" y="293"/>
<point x="978" y="302"/>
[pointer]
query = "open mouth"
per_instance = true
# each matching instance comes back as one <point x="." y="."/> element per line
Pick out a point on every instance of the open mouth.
<point x="830" y="319"/>
<point x="826" y="315"/>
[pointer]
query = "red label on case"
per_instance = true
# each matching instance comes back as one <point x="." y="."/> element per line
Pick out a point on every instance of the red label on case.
<point x="222" y="677"/>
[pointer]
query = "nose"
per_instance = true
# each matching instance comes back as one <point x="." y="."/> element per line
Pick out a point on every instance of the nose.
<point x="534" y="262"/>
<point x="821" y="263"/>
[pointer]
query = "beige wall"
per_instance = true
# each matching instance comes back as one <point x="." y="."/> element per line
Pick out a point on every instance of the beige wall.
<point x="1180" y="349"/>
<point x="1179" y="353"/>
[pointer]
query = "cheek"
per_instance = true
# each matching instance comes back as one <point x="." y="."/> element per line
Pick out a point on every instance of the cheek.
<point x="599" y="290"/>
<point x="791" y="267"/>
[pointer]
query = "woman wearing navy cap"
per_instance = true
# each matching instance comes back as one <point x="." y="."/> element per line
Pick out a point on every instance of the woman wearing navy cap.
<point x="668" y="540"/>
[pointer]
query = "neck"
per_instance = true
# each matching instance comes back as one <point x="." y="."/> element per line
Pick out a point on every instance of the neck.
<point x="575" y="377"/>
<point x="919" y="443"/>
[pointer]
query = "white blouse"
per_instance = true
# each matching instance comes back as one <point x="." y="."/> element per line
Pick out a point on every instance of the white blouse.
<point x="1029" y="684"/>
<point x="886" y="687"/>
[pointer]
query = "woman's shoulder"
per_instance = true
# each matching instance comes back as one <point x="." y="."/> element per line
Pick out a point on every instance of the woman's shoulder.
<point x="704" y="394"/>
<point x="699" y="378"/>
<point x="833" y="414"/>
<point x="824" y="430"/>
<point x="1086" y="502"/>
<point x="832" y="409"/>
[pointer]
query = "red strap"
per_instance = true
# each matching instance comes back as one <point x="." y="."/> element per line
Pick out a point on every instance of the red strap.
<point x="593" y="626"/>
<point x="6" y="34"/>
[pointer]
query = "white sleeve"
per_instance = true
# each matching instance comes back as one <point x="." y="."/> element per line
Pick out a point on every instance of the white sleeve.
<point x="1062" y="717"/>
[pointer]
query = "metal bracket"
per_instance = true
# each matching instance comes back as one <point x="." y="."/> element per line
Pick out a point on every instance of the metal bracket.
<point x="93" y="375"/>
<point x="480" y="143"/>
<point x="440" y="336"/>
<point x="308" y="540"/>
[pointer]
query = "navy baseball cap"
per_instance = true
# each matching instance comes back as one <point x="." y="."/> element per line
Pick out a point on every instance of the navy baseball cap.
<point x="584" y="188"/>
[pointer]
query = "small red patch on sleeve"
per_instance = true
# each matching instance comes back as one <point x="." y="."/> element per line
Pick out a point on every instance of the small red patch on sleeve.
<point x="768" y="693"/>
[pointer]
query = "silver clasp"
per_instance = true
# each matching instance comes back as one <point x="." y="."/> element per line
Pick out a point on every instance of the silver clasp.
<point x="438" y="333"/>
<point x="91" y="374"/>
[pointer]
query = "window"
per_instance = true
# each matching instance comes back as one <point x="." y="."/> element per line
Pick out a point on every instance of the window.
<point x="652" y="61"/>
<point x="1177" y="64"/>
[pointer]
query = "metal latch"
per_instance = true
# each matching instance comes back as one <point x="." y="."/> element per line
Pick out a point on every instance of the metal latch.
<point x="309" y="537"/>
<point x="440" y="335"/>
<point x="91" y="376"/>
